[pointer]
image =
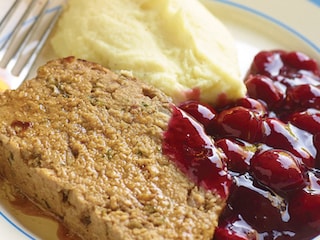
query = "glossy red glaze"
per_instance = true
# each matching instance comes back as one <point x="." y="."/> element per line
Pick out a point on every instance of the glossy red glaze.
<point x="203" y="113"/>
<point x="238" y="154"/>
<point x="239" y="122"/>
<point x="278" y="170"/>
<point x="187" y="144"/>
<point x="253" y="105"/>
<point x="270" y="144"/>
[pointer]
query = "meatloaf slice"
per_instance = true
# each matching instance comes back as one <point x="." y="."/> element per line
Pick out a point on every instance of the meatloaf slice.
<point x="85" y="144"/>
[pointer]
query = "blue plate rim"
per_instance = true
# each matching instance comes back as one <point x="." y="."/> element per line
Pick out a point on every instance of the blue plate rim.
<point x="273" y="20"/>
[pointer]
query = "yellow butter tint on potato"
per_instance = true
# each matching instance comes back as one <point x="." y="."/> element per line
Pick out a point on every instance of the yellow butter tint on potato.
<point x="176" y="45"/>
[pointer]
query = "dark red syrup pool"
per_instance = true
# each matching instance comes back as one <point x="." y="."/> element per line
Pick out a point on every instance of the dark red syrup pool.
<point x="260" y="153"/>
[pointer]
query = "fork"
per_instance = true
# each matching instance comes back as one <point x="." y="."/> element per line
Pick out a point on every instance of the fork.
<point x="12" y="49"/>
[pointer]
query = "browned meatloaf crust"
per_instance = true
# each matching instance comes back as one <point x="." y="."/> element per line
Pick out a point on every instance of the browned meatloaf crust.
<point x="85" y="144"/>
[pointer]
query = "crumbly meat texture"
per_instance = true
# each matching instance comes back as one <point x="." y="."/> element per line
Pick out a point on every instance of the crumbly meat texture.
<point x="85" y="144"/>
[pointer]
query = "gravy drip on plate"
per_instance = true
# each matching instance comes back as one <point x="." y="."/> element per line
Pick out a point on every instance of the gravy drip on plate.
<point x="267" y="145"/>
<point x="27" y="208"/>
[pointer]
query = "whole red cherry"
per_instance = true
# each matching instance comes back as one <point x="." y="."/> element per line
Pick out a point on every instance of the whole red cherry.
<point x="252" y="104"/>
<point x="264" y="89"/>
<point x="302" y="97"/>
<point x="256" y="205"/>
<point x="268" y="63"/>
<point x="300" y="61"/>
<point x="278" y="170"/>
<point x="304" y="209"/>
<point x="203" y="113"/>
<point x="239" y="122"/>
<point x="308" y="120"/>
<point x="238" y="154"/>
<point x="280" y="135"/>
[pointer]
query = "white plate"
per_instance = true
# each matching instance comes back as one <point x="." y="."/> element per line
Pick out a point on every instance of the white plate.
<point x="263" y="25"/>
<point x="256" y="25"/>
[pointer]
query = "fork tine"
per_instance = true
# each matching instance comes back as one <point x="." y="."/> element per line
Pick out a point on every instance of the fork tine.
<point x="6" y="18"/>
<point x="16" y="28"/>
<point x="14" y="56"/>
<point x="18" y="59"/>
<point x="25" y="71"/>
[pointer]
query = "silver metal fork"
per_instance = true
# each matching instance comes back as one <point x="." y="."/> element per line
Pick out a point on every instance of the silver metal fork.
<point x="22" y="44"/>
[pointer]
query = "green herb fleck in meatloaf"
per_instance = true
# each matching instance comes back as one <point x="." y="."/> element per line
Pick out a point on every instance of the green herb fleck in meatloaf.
<point x="85" y="144"/>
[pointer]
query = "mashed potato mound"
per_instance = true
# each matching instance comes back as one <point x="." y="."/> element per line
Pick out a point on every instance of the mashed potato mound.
<point x="176" y="45"/>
